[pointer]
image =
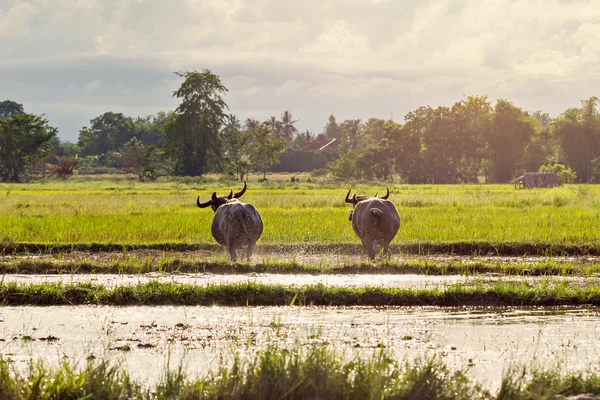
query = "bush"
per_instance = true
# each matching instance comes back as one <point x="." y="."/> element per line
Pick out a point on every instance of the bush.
<point x="564" y="174"/>
<point x="65" y="167"/>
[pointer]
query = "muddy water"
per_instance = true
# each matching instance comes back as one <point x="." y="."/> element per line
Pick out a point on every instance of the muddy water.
<point x="488" y="339"/>
<point x="302" y="257"/>
<point x="408" y="281"/>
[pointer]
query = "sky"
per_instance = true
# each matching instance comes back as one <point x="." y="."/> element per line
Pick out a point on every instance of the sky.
<point x="73" y="60"/>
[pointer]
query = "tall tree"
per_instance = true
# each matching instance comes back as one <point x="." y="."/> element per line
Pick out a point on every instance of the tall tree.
<point x="265" y="149"/>
<point x="288" y="130"/>
<point x="512" y="130"/>
<point x="9" y="108"/>
<point x="332" y="130"/>
<point x="351" y="133"/>
<point x="192" y="135"/>
<point x="578" y="130"/>
<point x="107" y="132"/>
<point x="473" y="120"/>
<point x="275" y="126"/>
<point x="24" y="138"/>
<point x="235" y="143"/>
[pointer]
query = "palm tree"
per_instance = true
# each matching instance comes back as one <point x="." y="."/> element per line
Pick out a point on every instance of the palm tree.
<point x="275" y="126"/>
<point x="251" y="123"/>
<point x="304" y="139"/>
<point x="231" y="121"/>
<point x="352" y="132"/>
<point x="288" y="130"/>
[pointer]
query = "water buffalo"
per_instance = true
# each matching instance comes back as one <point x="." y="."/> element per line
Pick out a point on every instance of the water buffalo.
<point x="235" y="224"/>
<point x="375" y="221"/>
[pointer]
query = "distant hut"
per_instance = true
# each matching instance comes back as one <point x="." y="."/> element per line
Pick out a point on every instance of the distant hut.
<point x="536" y="180"/>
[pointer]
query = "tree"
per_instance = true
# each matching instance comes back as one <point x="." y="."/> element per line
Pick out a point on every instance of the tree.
<point x="563" y="174"/>
<point x="192" y="135"/>
<point x="107" y="132"/>
<point x="9" y="108"/>
<point x="234" y="144"/>
<point x="332" y="130"/>
<point x="373" y="130"/>
<point x="578" y="131"/>
<point x="351" y="133"/>
<point x="512" y="130"/>
<point x="275" y="126"/>
<point x="141" y="160"/>
<point x="250" y="124"/>
<point x="288" y="130"/>
<point x="150" y="130"/>
<point x="24" y="138"/>
<point x="406" y="144"/>
<point x="265" y="149"/>
<point x="304" y="139"/>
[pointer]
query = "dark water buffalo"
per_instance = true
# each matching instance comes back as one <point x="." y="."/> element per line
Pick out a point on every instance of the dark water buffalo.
<point x="375" y="221"/>
<point x="235" y="224"/>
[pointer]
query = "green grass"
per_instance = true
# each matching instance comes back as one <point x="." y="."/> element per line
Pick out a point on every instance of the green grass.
<point x="468" y="218"/>
<point x="122" y="263"/>
<point x="502" y="293"/>
<point x="315" y="372"/>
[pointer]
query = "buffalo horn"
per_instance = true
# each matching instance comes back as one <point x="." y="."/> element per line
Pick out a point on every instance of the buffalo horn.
<point x="203" y="205"/>
<point x="348" y="197"/>
<point x="386" y="195"/>
<point x="240" y="193"/>
<point x="230" y="195"/>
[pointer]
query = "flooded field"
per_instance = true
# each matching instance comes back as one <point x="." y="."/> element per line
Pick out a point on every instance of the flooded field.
<point x="485" y="340"/>
<point x="488" y="339"/>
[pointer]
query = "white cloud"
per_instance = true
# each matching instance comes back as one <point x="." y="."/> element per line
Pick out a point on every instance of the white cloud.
<point x="94" y="85"/>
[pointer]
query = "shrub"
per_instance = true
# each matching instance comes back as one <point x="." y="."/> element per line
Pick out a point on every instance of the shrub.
<point x="65" y="167"/>
<point x="564" y="174"/>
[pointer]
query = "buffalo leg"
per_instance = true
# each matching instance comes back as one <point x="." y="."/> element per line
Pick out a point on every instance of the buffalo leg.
<point x="386" y="250"/>
<point x="231" y="250"/>
<point x="249" y="251"/>
<point x="368" y="246"/>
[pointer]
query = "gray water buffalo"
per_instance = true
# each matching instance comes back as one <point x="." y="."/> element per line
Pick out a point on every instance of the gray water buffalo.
<point x="375" y="221"/>
<point x="235" y="224"/>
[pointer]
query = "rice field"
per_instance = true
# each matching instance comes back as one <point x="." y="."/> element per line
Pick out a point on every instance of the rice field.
<point x="134" y="214"/>
<point x="126" y="245"/>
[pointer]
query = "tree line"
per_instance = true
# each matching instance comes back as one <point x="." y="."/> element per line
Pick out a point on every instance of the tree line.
<point x="474" y="139"/>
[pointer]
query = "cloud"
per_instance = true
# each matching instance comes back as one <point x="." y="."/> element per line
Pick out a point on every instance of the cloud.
<point x="353" y="58"/>
<point x="94" y="85"/>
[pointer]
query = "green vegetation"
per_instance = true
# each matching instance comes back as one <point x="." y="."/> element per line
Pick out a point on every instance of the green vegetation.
<point x="132" y="263"/>
<point x="464" y="143"/>
<point x="502" y="293"/>
<point x="466" y="219"/>
<point x="316" y="372"/>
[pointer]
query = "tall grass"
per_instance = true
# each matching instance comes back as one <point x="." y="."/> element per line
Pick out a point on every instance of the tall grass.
<point x="164" y="213"/>
<point x="131" y="263"/>
<point x="316" y="372"/>
<point x="500" y="293"/>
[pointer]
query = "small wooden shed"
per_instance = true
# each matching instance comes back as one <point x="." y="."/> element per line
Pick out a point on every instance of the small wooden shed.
<point x="536" y="180"/>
